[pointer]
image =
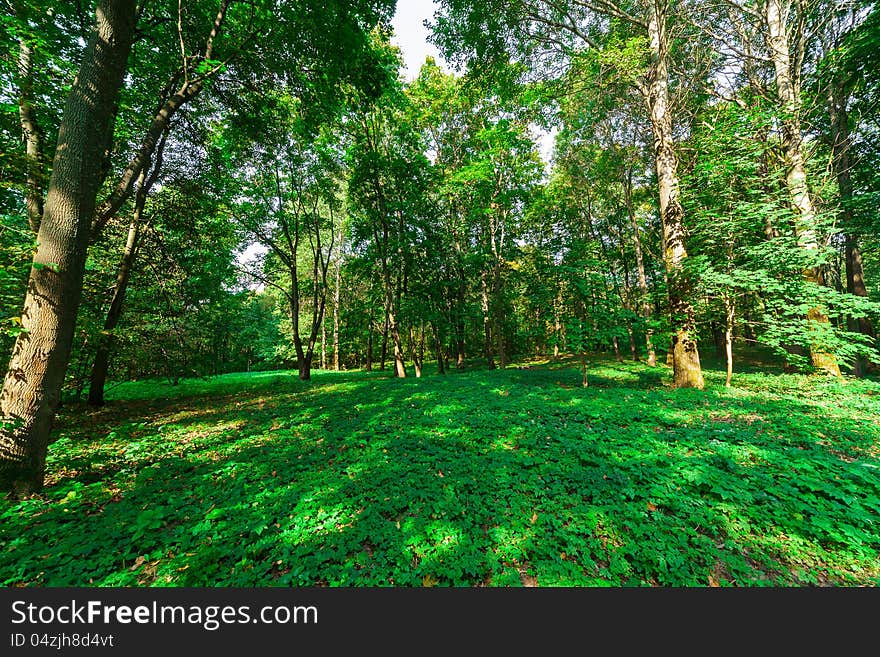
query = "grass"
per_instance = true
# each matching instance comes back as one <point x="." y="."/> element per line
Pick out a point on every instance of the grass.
<point x="478" y="478"/>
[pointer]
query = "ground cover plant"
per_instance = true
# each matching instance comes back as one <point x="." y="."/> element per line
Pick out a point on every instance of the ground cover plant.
<point x="516" y="477"/>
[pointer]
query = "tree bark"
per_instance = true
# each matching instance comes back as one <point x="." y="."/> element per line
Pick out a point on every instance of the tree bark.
<point x="615" y="342"/>
<point x="687" y="372"/>
<point x="160" y="124"/>
<point x="647" y="310"/>
<point x="438" y="348"/>
<point x="487" y="322"/>
<point x="32" y="388"/>
<point x="776" y="14"/>
<point x="102" y="358"/>
<point x="384" y="353"/>
<point x="32" y="138"/>
<point x="842" y="164"/>
<point x="336" y="317"/>
<point x="729" y="315"/>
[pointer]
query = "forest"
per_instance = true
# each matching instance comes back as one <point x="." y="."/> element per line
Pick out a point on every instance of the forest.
<point x="590" y="301"/>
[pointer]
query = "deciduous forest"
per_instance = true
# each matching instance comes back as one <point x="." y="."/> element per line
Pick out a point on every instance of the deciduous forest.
<point x="590" y="301"/>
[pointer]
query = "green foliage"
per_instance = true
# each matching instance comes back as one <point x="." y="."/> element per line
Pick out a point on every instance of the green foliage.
<point x="743" y="248"/>
<point x="484" y="478"/>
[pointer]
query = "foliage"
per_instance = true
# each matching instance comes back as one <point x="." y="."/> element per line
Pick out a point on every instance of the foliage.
<point x="483" y="478"/>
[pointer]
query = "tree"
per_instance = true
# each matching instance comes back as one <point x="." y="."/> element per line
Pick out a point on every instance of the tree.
<point x="562" y="30"/>
<point x="36" y="372"/>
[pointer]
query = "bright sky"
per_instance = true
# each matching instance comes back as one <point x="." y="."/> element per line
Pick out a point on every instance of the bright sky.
<point x="411" y="35"/>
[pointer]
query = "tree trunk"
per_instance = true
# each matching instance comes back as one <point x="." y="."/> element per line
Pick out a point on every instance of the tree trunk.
<point x="557" y="323"/>
<point x="616" y="344"/>
<point x="32" y="137"/>
<point x="730" y="309"/>
<point x="399" y="365"/>
<point x="416" y="351"/>
<point x="159" y="126"/>
<point x="632" y="342"/>
<point x="105" y="345"/>
<point x="369" y="364"/>
<point x="384" y="355"/>
<point x="305" y="366"/>
<point x="647" y="310"/>
<point x="32" y="388"/>
<point x="842" y="163"/>
<point x="487" y="322"/>
<point x="687" y="372"/>
<point x="323" y="344"/>
<point x="776" y="14"/>
<point x="336" y="318"/>
<point x="438" y="347"/>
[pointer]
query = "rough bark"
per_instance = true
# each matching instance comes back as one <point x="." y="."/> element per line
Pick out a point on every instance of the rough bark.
<point x="32" y="138"/>
<point x="776" y="15"/>
<point x="687" y="372"/>
<point x="32" y="388"/>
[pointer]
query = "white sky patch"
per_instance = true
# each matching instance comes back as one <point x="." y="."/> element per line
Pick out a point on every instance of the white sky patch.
<point x="248" y="260"/>
<point x="411" y="35"/>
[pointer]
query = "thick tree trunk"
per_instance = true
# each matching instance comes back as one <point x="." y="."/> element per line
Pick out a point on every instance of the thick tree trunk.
<point x="32" y="388"/>
<point x="687" y="372"/>
<point x="776" y="13"/>
<point x="305" y="366"/>
<point x="32" y="137"/>
<point x="397" y="344"/>
<point x="616" y="344"/>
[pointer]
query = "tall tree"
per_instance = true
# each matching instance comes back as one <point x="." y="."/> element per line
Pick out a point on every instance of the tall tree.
<point x="32" y="386"/>
<point x="563" y="29"/>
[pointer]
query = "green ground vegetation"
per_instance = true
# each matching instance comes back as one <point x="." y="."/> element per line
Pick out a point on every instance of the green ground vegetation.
<point x="477" y="478"/>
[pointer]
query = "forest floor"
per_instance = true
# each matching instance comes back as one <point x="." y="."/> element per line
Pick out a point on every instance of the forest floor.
<point x="518" y="477"/>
